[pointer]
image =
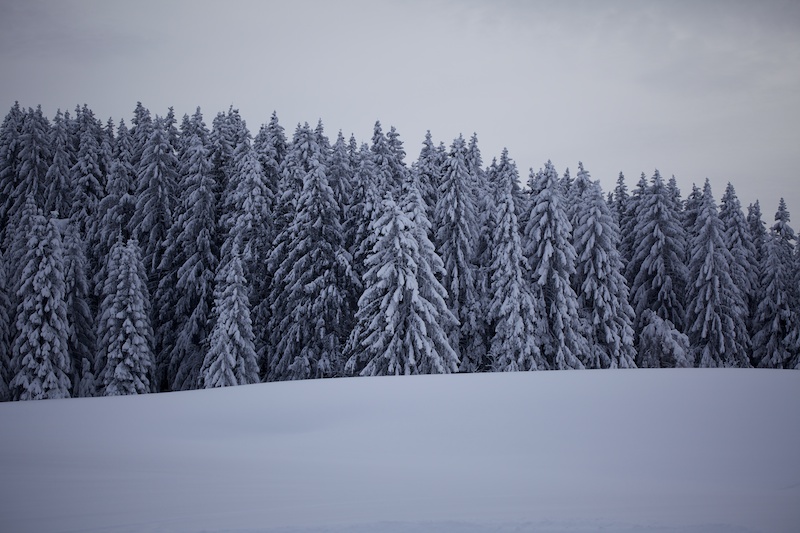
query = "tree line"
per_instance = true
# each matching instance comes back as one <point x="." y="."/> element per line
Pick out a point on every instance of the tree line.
<point x="166" y="256"/>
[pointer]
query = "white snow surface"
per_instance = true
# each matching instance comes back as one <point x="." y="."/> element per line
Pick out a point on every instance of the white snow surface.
<point x="666" y="451"/>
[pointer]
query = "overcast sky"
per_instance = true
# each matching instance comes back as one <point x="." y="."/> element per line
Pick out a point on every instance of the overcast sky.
<point x="695" y="89"/>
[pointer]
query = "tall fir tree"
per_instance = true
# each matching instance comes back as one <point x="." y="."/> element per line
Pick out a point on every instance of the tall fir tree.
<point x="455" y="239"/>
<point x="515" y="319"/>
<point x="80" y="320"/>
<point x="619" y="203"/>
<point x="231" y="356"/>
<point x="598" y="281"/>
<point x="270" y="145"/>
<point x="552" y="260"/>
<point x="310" y="317"/>
<point x="10" y="131"/>
<point x="429" y="174"/>
<point x="715" y="310"/>
<point x="186" y="290"/>
<point x="58" y="197"/>
<point x="661" y="345"/>
<point x="658" y="267"/>
<point x="5" y="332"/>
<point x="776" y="318"/>
<point x="40" y="357"/>
<point x="124" y="334"/>
<point x="155" y="199"/>
<point x="402" y="315"/>
<point x="627" y="226"/>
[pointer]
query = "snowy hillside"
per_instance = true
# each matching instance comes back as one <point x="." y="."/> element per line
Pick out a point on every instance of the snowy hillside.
<point x="647" y="450"/>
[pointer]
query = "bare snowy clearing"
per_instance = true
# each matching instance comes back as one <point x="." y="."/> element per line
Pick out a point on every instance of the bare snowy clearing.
<point x="684" y="451"/>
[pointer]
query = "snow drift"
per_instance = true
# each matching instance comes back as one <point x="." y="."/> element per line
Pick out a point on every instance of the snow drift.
<point x="644" y="450"/>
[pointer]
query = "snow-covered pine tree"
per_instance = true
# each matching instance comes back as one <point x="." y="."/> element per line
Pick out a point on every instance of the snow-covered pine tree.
<point x="661" y="345"/>
<point x="577" y="191"/>
<point x="231" y="356"/>
<point x="775" y="317"/>
<point x="515" y="319"/>
<point x="691" y="210"/>
<point x="33" y="160"/>
<point x="310" y="320"/>
<point x="387" y="153"/>
<point x="758" y="230"/>
<point x="270" y="145"/>
<point x="627" y="226"/>
<point x="116" y="209"/>
<point x="155" y="199"/>
<point x="294" y="168"/>
<point x="9" y="148"/>
<point x="552" y="260"/>
<point x="141" y="130"/>
<point x="715" y="308"/>
<point x="59" y="187"/>
<point x="186" y="290"/>
<point x="619" y="204"/>
<point x="5" y="332"/>
<point x="658" y="266"/>
<point x="364" y="205"/>
<point x="124" y="334"/>
<point x="429" y="174"/>
<point x="87" y="180"/>
<point x="40" y="357"/>
<point x="744" y="269"/>
<point x="598" y="281"/>
<point x="81" y="341"/>
<point x="456" y="234"/>
<point x="340" y="175"/>
<point x="402" y="316"/>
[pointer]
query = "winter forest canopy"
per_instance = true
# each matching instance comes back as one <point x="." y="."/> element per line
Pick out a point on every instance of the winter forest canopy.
<point x="168" y="255"/>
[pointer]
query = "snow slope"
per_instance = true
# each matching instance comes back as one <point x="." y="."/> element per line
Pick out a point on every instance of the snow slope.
<point x="641" y="450"/>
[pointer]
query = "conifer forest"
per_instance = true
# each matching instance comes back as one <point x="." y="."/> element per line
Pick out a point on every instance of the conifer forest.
<point x="162" y="254"/>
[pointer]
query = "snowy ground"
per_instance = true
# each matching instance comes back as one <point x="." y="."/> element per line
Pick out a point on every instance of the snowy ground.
<point x="619" y="451"/>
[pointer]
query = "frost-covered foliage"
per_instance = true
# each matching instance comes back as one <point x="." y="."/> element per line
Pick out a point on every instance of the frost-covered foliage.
<point x="715" y="307"/>
<point x="185" y="293"/>
<point x="40" y="359"/>
<point x="598" y="280"/>
<point x="231" y="357"/>
<point x="388" y="154"/>
<point x="402" y="314"/>
<point x="429" y="174"/>
<point x="88" y="181"/>
<point x="310" y="320"/>
<point x="80" y="318"/>
<point x="657" y="267"/>
<point x="661" y="345"/>
<point x="59" y="187"/>
<point x="155" y="198"/>
<point x="456" y="234"/>
<point x="776" y="316"/>
<point x="513" y="312"/>
<point x="5" y="332"/>
<point x="627" y="225"/>
<point x="552" y="260"/>
<point x="124" y="335"/>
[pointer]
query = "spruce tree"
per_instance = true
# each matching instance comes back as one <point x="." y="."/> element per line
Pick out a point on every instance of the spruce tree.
<point x="776" y="317"/>
<point x="185" y="293"/>
<point x="715" y="310"/>
<point x="515" y="320"/>
<point x="340" y="175"/>
<point x="270" y="145"/>
<point x="310" y="316"/>
<point x="10" y="131"/>
<point x="455" y="239"/>
<point x="5" y="332"/>
<point x="619" y="204"/>
<point x="80" y="321"/>
<point x="155" y="199"/>
<point x="429" y="174"/>
<point x="598" y="281"/>
<point x="231" y="357"/>
<point x="627" y="226"/>
<point x="40" y="351"/>
<point x="59" y="187"/>
<point x="124" y="334"/>
<point x="402" y="316"/>
<point x="87" y="180"/>
<point x="657" y="267"/>
<point x="552" y="260"/>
